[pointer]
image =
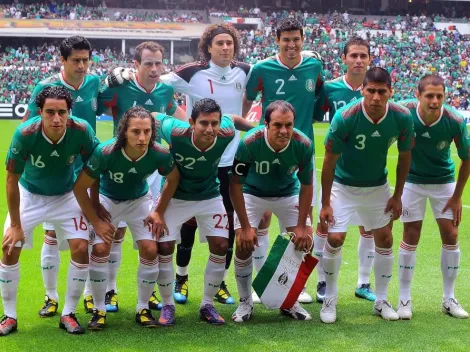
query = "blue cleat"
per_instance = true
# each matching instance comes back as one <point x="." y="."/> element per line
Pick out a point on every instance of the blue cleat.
<point x="154" y="303"/>
<point x="180" y="294"/>
<point x="365" y="292"/>
<point x="223" y="295"/>
<point x="111" y="301"/>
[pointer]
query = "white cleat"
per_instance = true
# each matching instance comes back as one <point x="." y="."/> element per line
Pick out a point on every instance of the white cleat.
<point x="385" y="310"/>
<point x="244" y="311"/>
<point x="255" y="298"/>
<point x="328" y="310"/>
<point x="404" y="310"/>
<point x="304" y="297"/>
<point x="297" y="312"/>
<point x="453" y="308"/>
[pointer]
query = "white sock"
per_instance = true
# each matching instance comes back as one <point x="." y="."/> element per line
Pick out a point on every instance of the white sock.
<point x="98" y="277"/>
<point x="365" y="253"/>
<point x="182" y="270"/>
<point x="87" y="290"/>
<point x="450" y="261"/>
<point x="147" y="276"/>
<point x="225" y="274"/>
<point x="213" y="276"/>
<point x="383" y="268"/>
<point x="318" y="245"/>
<point x="9" y="279"/>
<point x="115" y="257"/>
<point x="244" y="276"/>
<point x="332" y="258"/>
<point x="260" y="252"/>
<point x="50" y="260"/>
<point x="166" y="278"/>
<point x="406" y="269"/>
<point x="76" y="278"/>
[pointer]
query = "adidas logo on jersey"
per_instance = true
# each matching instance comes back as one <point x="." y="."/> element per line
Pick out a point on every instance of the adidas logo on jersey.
<point x="276" y="161"/>
<point x="426" y="135"/>
<point x="201" y="159"/>
<point x="292" y="78"/>
<point x="148" y="102"/>
<point x="54" y="153"/>
<point x="132" y="171"/>
<point x="79" y="99"/>
<point x="376" y="134"/>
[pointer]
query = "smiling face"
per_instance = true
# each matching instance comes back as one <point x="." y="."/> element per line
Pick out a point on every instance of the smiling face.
<point x="205" y="128"/>
<point x="54" y="115"/>
<point x="280" y="129"/>
<point x="357" y="59"/>
<point x="150" y="67"/>
<point x="222" y="49"/>
<point x="138" y="135"/>
<point x="376" y="96"/>
<point x="290" y="45"/>
<point x="431" y="100"/>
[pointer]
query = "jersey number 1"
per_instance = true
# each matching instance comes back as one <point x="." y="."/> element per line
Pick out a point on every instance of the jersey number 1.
<point x="211" y="87"/>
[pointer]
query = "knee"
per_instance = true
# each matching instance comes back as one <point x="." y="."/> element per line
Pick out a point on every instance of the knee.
<point x="451" y="238"/>
<point x="265" y="220"/>
<point x="335" y="240"/>
<point x="166" y="248"/>
<point x="50" y="233"/>
<point x="79" y="251"/>
<point x="120" y="232"/>
<point x="101" y="250"/>
<point x="148" y="250"/>
<point x="219" y="246"/>
<point x="383" y="238"/>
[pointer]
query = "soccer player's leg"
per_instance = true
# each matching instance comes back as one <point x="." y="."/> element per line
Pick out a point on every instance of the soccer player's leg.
<point x="366" y="254"/>
<point x="114" y="262"/>
<point x="414" y="207"/>
<point x="183" y="256"/>
<point x="261" y="252"/>
<point x="450" y="253"/>
<point x="50" y="260"/>
<point x="319" y="240"/>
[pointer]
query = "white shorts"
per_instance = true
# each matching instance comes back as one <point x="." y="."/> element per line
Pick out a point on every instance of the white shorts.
<point x="133" y="212"/>
<point x="155" y="183"/>
<point x="62" y="212"/>
<point x="414" y="201"/>
<point x="285" y="208"/>
<point x="210" y="215"/>
<point x="368" y="202"/>
<point x="47" y="226"/>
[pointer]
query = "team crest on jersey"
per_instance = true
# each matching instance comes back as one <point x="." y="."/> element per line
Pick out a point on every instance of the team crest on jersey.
<point x="391" y="141"/>
<point x="405" y="212"/>
<point x="292" y="169"/>
<point x="94" y="104"/>
<point x="283" y="278"/>
<point x="309" y="85"/>
<point x="442" y="144"/>
<point x="71" y="159"/>
<point x="238" y="86"/>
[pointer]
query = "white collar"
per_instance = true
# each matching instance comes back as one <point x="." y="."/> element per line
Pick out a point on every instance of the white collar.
<point x="269" y="145"/>
<point x="142" y="88"/>
<point x="62" y="79"/>
<point x="422" y="121"/>
<point x="349" y="86"/>
<point x="278" y="58"/>
<point x="369" y="118"/>
<point x="219" y="70"/>
<point x="48" y="139"/>
<point x="199" y="150"/>
<point x="128" y="158"/>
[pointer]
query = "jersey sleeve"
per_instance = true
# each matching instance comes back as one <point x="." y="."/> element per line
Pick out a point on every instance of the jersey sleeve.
<point x="321" y="105"/>
<point x="254" y="83"/>
<point x="167" y="162"/>
<point x="305" y="174"/>
<point x="178" y="83"/>
<point x="89" y="144"/>
<point x="17" y="154"/>
<point x="462" y="141"/>
<point x="107" y="99"/>
<point x="33" y="109"/>
<point x="320" y="79"/>
<point x="172" y="104"/>
<point x="241" y="163"/>
<point x="335" y="139"/>
<point x="406" y="137"/>
<point x="164" y="125"/>
<point x="96" y="164"/>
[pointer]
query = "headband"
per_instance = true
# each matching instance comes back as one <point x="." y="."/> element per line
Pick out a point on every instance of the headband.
<point x="220" y="30"/>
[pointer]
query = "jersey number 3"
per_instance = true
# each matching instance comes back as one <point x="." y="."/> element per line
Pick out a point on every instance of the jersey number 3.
<point x="361" y="142"/>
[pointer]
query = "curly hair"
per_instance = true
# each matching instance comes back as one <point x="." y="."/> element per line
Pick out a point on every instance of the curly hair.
<point x="134" y="112"/>
<point x="54" y="92"/>
<point x="210" y="33"/>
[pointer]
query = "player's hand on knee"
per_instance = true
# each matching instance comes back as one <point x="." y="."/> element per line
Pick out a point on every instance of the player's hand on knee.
<point x="105" y="230"/>
<point x="12" y="236"/>
<point x="394" y="205"/>
<point x="118" y="76"/>
<point x="454" y="204"/>
<point x="156" y="223"/>
<point x="102" y="213"/>
<point x="246" y="240"/>
<point x="326" y="216"/>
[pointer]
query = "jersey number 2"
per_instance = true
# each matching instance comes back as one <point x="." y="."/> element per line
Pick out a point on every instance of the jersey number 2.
<point x="281" y="85"/>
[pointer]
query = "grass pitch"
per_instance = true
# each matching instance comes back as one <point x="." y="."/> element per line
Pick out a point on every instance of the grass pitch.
<point x="356" y="329"/>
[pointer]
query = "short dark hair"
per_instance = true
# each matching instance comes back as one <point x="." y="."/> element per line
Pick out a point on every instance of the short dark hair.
<point x="133" y="113"/>
<point x="206" y="40"/>
<point x="377" y="75"/>
<point x="288" y="25"/>
<point x="75" y="42"/>
<point x="356" y="41"/>
<point x="54" y="92"/>
<point x="434" y="80"/>
<point x="152" y="46"/>
<point x="205" y="106"/>
<point x="281" y="105"/>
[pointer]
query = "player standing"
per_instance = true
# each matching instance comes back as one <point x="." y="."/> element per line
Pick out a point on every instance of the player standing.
<point x="432" y="175"/>
<point x="332" y="96"/>
<point x="40" y="176"/>
<point x="295" y="78"/>
<point x="270" y="161"/>
<point x="354" y="179"/>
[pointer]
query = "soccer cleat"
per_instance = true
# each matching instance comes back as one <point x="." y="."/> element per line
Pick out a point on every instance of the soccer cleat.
<point x="328" y="310"/>
<point x="111" y="301"/>
<point x="365" y="292"/>
<point x="71" y="324"/>
<point x="8" y="325"/>
<point x="297" y="312"/>
<point x="321" y="289"/>
<point x="180" y="294"/>
<point x="223" y="296"/>
<point x="244" y="311"/>
<point x="144" y="317"/>
<point x="304" y="297"/>
<point x="98" y="320"/>
<point x="209" y="314"/>
<point x="154" y="303"/>
<point x="385" y="310"/>
<point x="452" y="307"/>
<point x="49" y="308"/>
<point x="88" y="304"/>
<point x="404" y="310"/>
<point x="255" y="298"/>
<point x="167" y="315"/>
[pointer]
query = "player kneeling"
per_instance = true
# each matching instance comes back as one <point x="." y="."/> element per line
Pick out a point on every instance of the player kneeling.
<point x="432" y="175"/>
<point x="40" y="176"/>
<point x="270" y="162"/>
<point x="121" y="166"/>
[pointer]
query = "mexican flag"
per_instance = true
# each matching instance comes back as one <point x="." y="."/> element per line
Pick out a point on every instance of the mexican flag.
<point x="283" y="275"/>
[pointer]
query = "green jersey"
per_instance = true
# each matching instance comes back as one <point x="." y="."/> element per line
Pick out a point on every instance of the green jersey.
<point x="122" y="178"/>
<point x="131" y="93"/>
<point x="334" y="95"/>
<point x="47" y="168"/>
<point x="297" y="85"/>
<point x="363" y="143"/>
<point x="84" y="97"/>
<point x="430" y="158"/>
<point x="267" y="173"/>
<point x="198" y="168"/>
